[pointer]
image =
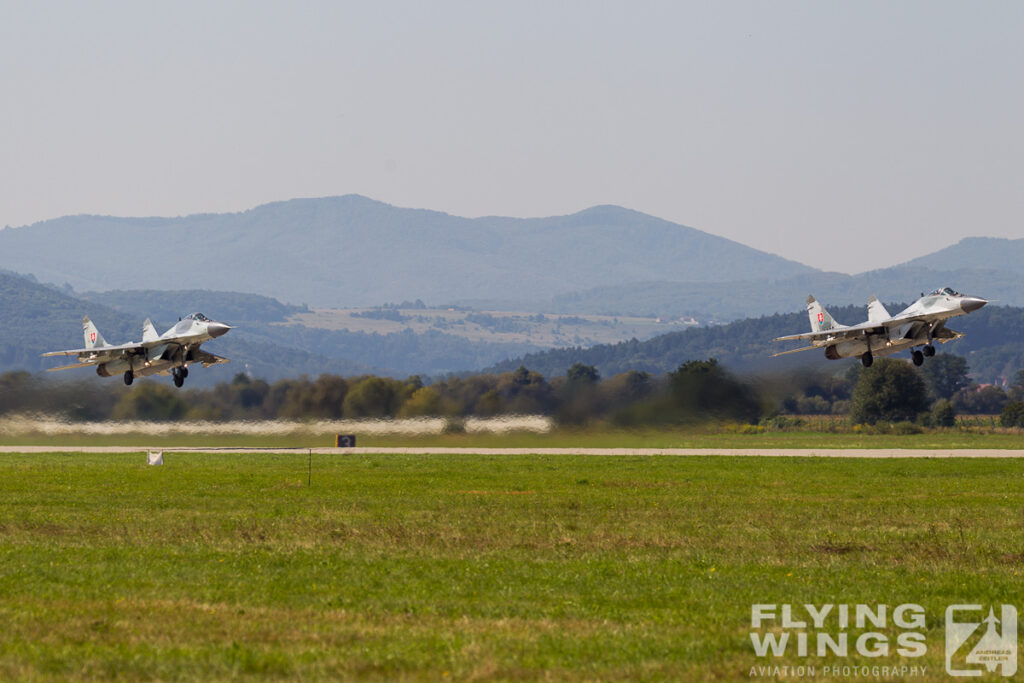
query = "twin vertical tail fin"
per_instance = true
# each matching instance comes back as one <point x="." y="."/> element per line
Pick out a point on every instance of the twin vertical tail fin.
<point x="149" y="332"/>
<point x="93" y="338"/>
<point x="820" y="318"/>
<point x="876" y="311"/>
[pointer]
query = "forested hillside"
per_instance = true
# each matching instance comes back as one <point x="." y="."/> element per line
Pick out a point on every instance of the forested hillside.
<point x="38" y="318"/>
<point x="728" y="301"/>
<point x="994" y="346"/>
<point x="398" y="354"/>
<point x="167" y="306"/>
<point x="41" y="318"/>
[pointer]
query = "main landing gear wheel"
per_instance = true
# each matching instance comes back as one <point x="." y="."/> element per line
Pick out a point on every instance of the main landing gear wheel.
<point x="867" y="359"/>
<point x="178" y="376"/>
<point x="184" y="372"/>
<point x="929" y="350"/>
<point x="129" y="377"/>
<point x="917" y="357"/>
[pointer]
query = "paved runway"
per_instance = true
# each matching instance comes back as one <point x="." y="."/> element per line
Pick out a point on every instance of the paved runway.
<point x="744" y="452"/>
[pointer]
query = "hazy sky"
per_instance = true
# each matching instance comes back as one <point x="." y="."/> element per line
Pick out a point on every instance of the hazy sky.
<point x="846" y="135"/>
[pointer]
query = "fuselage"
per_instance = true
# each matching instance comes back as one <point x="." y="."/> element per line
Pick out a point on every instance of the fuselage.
<point x="880" y="345"/>
<point x="182" y="340"/>
<point x="167" y="353"/>
<point x="140" y="367"/>
<point x="936" y="308"/>
<point x="918" y="325"/>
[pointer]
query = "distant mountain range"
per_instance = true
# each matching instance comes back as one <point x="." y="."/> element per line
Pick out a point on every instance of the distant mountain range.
<point x="352" y="251"/>
<point x="977" y="253"/>
<point x="989" y="267"/>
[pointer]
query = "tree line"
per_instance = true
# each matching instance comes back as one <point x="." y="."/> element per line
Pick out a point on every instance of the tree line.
<point x="696" y="391"/>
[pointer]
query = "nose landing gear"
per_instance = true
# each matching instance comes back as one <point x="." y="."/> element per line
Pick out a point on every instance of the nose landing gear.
<point x="179" y="375"/>
<point x="867" y="359"/>
<point x="129" y="377"/>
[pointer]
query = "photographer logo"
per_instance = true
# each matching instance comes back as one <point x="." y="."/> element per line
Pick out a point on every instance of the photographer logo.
<point x="977" y="644"/>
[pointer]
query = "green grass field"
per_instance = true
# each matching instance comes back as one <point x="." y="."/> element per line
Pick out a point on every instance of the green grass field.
<point x="698" y="438"/>
<point x="187" y="436"/>
<point x="476" y="567"/>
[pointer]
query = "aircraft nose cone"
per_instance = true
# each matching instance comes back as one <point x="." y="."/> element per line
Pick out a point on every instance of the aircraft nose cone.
<point x="971" y="303"/>
<point x="217" y="329"/>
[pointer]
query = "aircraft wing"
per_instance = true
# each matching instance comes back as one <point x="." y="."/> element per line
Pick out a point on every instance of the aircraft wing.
<point x="839" y="333"/>
<point x="98" y="351"/>
<point x="208" y="359"/>
<point x="74" y="365"/>
<point x="802" y="348"/>
<point x="104" y="352"/>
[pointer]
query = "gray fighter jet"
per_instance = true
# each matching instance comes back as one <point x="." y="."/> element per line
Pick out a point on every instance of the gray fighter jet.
<point x="920" y="324"/>
<point x="157" y="354"/>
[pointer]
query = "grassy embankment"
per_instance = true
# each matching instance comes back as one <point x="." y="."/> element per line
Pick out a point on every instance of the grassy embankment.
<point x="216" y="566"/>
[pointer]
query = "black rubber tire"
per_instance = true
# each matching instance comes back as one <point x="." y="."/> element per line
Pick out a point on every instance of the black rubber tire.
<point x="867" y="359"/>
<point x="917" y="357"/>
<point x="129" y="377"/>
<point x="929" y="351"/>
